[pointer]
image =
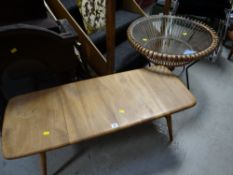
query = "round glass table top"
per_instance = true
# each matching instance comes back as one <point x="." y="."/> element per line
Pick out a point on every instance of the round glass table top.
<point x="171" y="40"/>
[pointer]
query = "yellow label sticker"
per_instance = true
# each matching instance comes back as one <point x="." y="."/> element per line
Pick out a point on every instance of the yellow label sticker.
<point x="185" y="33"/>
<point x="46" y="133"/>
<point x="122" y="111"/>
<point x="14" y="50"/>
<point x="144" y="39"/>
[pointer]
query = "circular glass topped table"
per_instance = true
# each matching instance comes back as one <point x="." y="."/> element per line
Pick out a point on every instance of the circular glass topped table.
<point x="171" y="40"/>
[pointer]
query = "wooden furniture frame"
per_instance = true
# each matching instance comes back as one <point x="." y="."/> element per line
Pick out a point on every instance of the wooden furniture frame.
<point x="89" y="51"/>
<point x="167" y="7"/>
<point x="45" y="120"/>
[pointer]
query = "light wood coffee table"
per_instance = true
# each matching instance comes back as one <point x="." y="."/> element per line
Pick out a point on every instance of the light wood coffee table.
<point x="45" y="120"/>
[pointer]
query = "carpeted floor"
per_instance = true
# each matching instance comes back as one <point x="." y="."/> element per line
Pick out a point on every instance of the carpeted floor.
<point x="203" y="138"/>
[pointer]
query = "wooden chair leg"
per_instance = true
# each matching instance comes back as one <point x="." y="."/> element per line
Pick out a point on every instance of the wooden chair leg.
<point x="169" y="125"/>
<point x="43" y="162"/>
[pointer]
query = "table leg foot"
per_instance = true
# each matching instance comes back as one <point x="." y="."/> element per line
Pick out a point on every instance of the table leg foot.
<point x="169" y="125"/>
<point x="43" y="162"/>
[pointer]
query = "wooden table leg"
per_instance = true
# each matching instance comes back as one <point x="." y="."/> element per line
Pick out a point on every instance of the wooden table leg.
<point x="230" y="54"/>
<point x="43" y="162"/>
<point x="169" y="125"/>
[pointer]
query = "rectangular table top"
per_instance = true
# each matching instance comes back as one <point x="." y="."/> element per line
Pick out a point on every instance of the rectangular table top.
<point x="67" y="114"/>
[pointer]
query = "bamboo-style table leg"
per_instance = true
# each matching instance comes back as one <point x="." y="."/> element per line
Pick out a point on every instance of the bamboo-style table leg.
<point x="169" y="125"/>
<point x="43" y="162"/>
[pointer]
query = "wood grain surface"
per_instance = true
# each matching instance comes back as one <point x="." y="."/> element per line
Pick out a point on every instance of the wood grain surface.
<point x="71" y="113"/>
<point x="34" y="122"/>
